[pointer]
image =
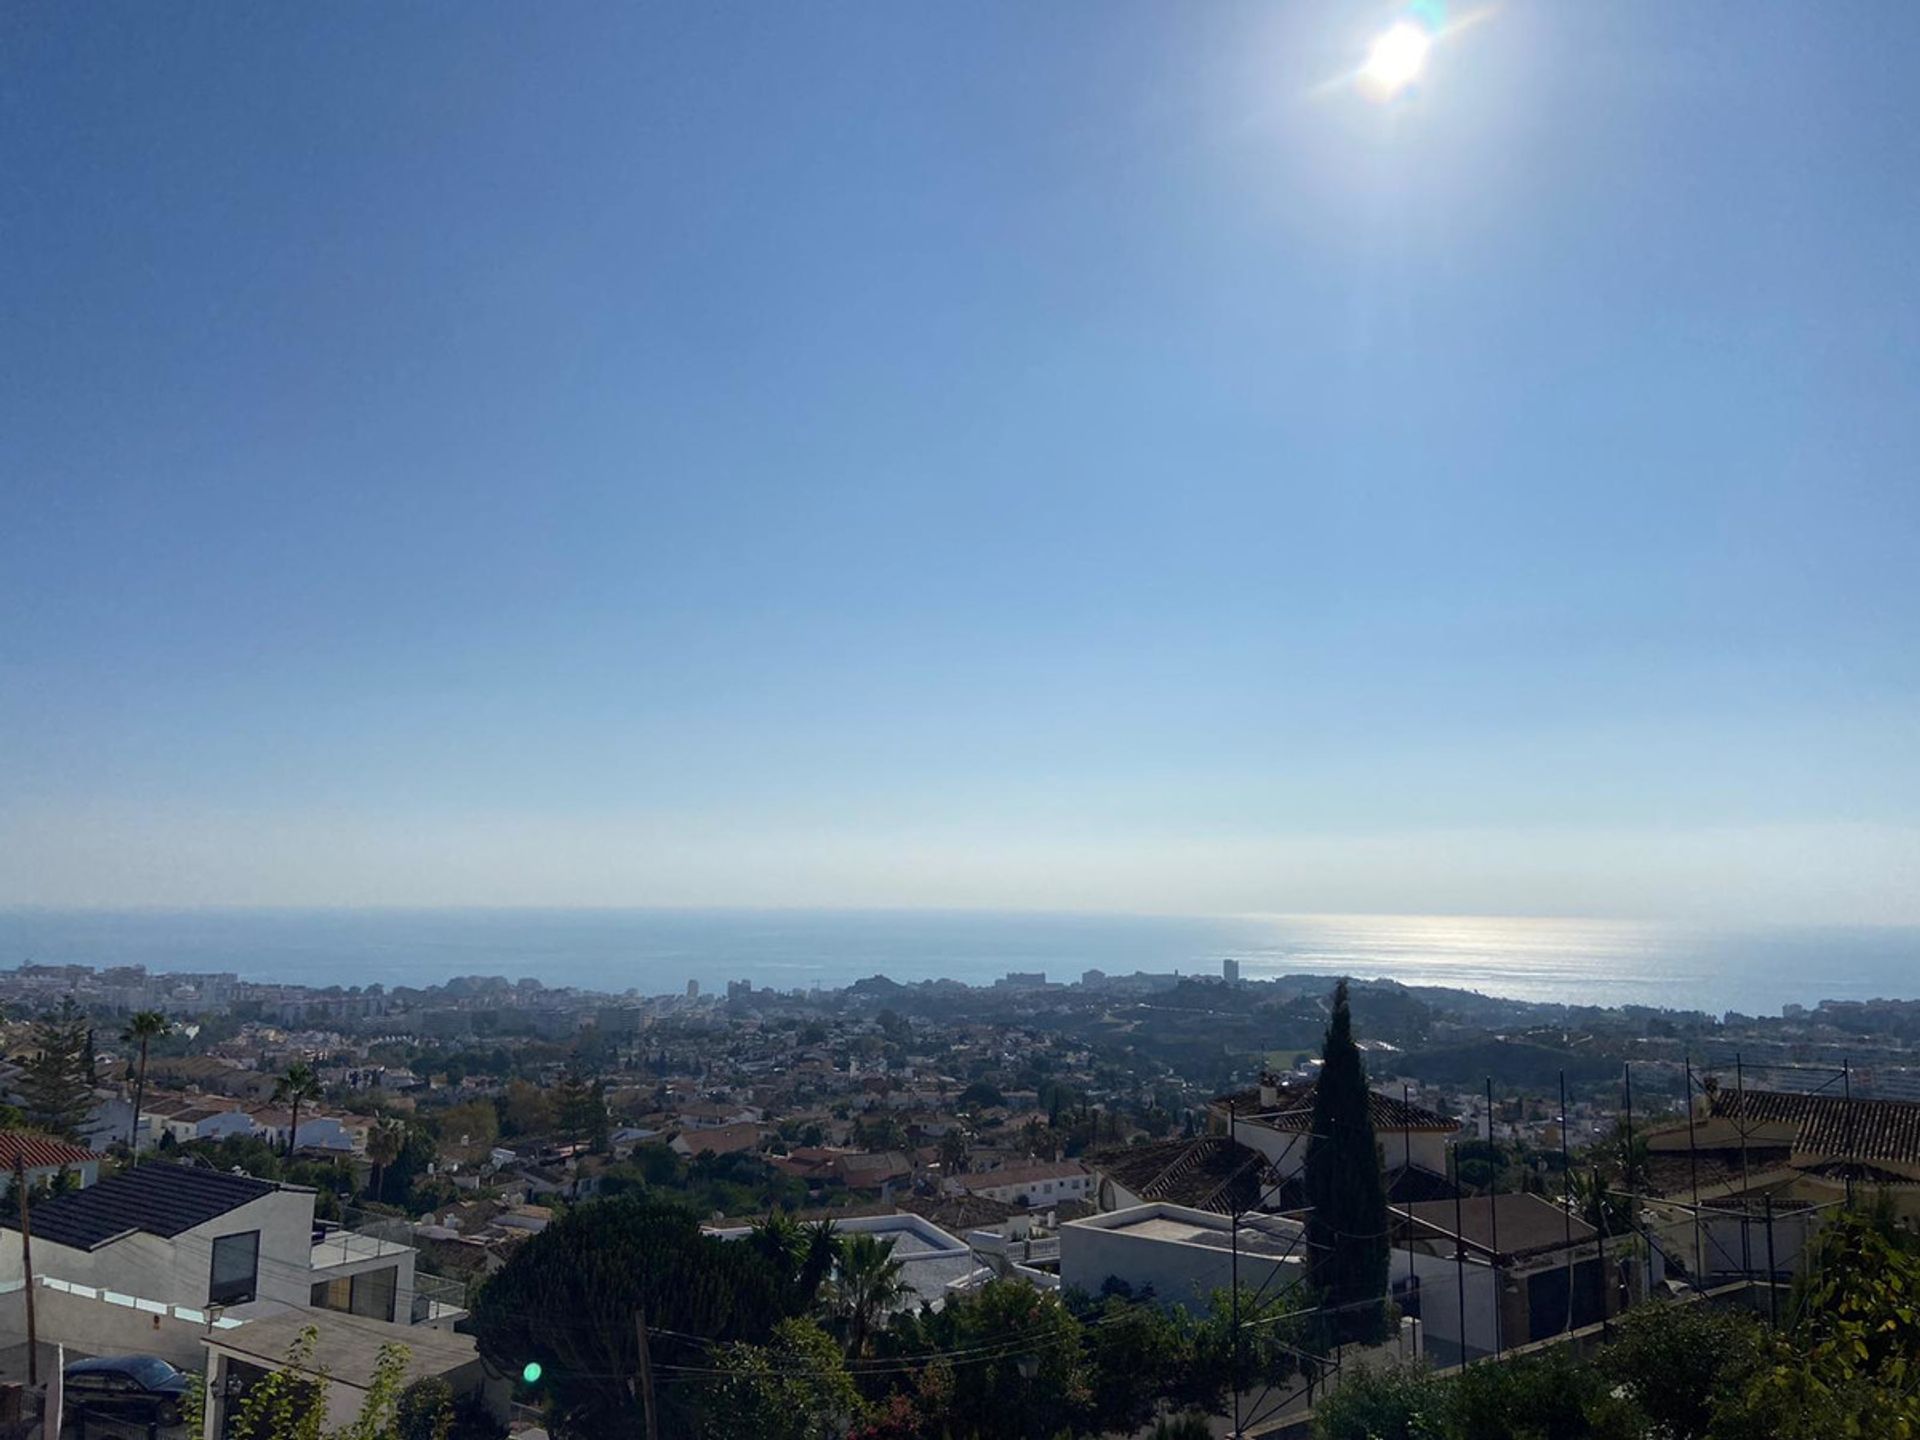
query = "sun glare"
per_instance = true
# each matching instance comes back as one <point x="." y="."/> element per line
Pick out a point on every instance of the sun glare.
<point x="1395" y="61"/>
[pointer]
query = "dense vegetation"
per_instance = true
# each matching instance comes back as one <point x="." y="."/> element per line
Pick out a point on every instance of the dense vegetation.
<point x="1846" y="1363"/>
<point x="780" y="1334"/>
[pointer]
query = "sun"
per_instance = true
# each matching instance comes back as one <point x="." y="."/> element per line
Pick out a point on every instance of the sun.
<point x="1396" y="60"/>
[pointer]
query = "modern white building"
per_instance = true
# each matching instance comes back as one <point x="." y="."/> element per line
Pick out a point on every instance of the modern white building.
<point x="203" y="1240"/>
<point x="1182" y="1255"/>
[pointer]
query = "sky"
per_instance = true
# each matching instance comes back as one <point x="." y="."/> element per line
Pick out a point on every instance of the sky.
<point x="1080" y="456"/>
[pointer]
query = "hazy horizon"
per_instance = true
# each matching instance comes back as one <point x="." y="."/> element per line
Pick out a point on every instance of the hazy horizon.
<point x="1079" y="458"/>
<point x="1570" y="961"/>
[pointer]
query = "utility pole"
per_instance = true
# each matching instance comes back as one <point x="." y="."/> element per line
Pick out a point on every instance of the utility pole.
<point x="1493" y="1222"/>
<point x="1626" y="1167"/>
<point x="1606" y="1280"/>
<point x="26" y="1269"/>
<point x="1746" y="1204"/>
<point x="1693" y="1169"/>
<point x="646" y="1376"/>
<point x="1459" y="1251"/>
<point x="1846" y="1081"/>
<point x="1773" y="1273"/>
<point x="1406" y="1168"/>
<point x="1566" y="1172"/>
<point x="1233" y="1241"/>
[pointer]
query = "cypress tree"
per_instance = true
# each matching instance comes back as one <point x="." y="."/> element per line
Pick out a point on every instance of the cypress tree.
<point x="1347" y="1226"/>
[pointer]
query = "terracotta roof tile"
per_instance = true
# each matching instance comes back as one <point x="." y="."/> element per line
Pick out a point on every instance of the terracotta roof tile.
<point x="1831" y="1125"/>
<point x="40" y="1151"/>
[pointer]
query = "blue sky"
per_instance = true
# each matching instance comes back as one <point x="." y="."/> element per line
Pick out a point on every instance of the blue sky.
<point x="1079" y="456"/>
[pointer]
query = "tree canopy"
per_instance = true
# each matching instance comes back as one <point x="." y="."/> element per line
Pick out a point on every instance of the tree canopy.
<point x="570" y="1297"/>
<point x="1347" y="1224"/>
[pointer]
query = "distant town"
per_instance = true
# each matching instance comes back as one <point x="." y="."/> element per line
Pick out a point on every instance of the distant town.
<point x="377" y="1166"/>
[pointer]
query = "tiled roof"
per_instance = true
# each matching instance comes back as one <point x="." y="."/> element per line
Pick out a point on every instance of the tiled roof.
<point x="159" y="1199"/>
<point x="1292" y="1111"/>
<point x="1025" y="1172"/>
<point x="1209" y="1173"/>
<point x="1670" y="1172"/>
<point x="38" y="1152"/>
<point x="1831" y="1124"/>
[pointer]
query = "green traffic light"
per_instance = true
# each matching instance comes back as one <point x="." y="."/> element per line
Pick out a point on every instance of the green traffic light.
<point x="531" y="1374"/>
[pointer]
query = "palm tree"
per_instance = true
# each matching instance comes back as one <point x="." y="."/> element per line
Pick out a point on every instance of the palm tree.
<point x="384" y="1143"/>
<point x="142" y="1030"/>
<point x="295" y="1087"/>
<point x="866" y="1286"/>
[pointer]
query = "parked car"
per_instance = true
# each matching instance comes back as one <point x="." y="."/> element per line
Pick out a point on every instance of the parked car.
<point x="140" y="1388"/>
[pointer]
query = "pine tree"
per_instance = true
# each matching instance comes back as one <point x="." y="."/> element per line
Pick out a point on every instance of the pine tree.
<point x="581" y="1109"/>
<point x="1347" y="1226"/>
<point x="54" y="1086"/>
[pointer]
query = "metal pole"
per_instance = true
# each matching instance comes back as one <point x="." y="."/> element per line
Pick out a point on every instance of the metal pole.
<point x="1773" y="1273"/>
<point x="646" y="1375"/>
<point x="1626" y="1165"/>
<point x="1566" y="1199"/>
<point x="1493" y="1225"/>
<point x="26" y="1268"/>
<point x="1406" y="1137"/>
<point x="1606" y="1280"/>
<point x="1233" y="1234"/>
<point x="1846" y="1080"/>
<point x="1693" y="1169"/>
<point x="1746" y="1213"/>
<point x="1459" y="1251"/>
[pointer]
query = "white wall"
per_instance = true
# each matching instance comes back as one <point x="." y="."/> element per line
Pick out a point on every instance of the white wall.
<point x="1181" y="1273"/>
<point x="178" y="1271"/>
<point x="88" y="1325"/>
<point x="1286" y="1151"/>
<point x="86" y="1174"/>
<point x="1440" y="1300"/>
<point x="1429" y="1149"/>
<point x="1037" y="1193"/>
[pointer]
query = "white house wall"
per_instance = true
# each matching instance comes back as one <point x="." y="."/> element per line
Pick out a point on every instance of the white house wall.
<point x="179" y="1271"/>
<point x="1181" y="1273"/>
<point x="1440" y="1300"/>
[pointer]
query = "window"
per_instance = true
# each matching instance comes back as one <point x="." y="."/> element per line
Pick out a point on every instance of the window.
<point x="332" y="1294"/>
<point x="236" y="1268"/>
<point x="373" y="1293"/>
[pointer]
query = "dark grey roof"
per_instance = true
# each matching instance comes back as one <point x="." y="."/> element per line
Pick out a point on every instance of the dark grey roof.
<point x="159" y="1199"/>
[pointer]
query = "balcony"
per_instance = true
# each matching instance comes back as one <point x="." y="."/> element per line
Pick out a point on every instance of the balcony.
<point x="438" y="1301"/>
<point x="335" y="1248"/>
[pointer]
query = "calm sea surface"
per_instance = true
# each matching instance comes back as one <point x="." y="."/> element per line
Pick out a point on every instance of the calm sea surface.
<point x="1596" y="962"/>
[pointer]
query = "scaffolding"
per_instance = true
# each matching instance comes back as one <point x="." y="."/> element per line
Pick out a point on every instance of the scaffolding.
<point x="1736" y="1246"/>
<point x="1736" y="1241"/>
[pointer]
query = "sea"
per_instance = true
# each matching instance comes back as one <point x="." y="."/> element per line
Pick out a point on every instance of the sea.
<point x="1753" y="970"/>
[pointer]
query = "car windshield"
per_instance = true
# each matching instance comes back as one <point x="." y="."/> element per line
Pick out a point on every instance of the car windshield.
<point x="148" y="1370"/>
